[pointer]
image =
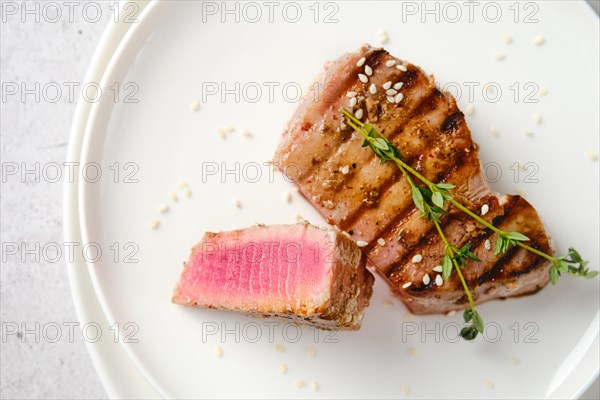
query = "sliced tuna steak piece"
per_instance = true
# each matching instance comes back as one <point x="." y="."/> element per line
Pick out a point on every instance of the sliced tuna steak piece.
<point x="299" y="272"/>
<point x="372" y="202"/>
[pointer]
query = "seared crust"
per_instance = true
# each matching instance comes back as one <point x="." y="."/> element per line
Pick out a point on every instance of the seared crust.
<point x="372" y="201"/>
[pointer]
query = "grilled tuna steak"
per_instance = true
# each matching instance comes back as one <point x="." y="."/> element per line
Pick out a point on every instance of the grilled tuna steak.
<point x="349" y="186"/>
<point x="299" y="272"/>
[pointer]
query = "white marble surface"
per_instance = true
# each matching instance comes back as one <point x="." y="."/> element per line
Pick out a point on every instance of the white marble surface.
<point x="37" y="132"/>
<point x="38" y="292"/>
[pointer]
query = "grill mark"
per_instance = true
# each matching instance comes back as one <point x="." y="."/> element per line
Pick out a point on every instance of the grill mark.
<point x="410" y="77"/>
<point x="496" y="269"/>
<point x="499" y="219"/>
<point x="387" y="184"/>
<point x="486" y="233"/>
<point x="422" y="241"/>
<point x="452" y="122"/>
<point x="375" y="56"/>
<point x="491" y="273"/>
<point x="422" y="287"/>
<point x="430" y="101"/>
<point x="537" y="260"/>
<point x="400" y="217"/>
<point x="398" y="129"/>
<point x="383" y="188"/>
<point x="482" y="237"/>
<point x="351" y="219"/>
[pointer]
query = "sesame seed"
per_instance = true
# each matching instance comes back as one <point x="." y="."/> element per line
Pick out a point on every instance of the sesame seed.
<point x="417" y="258"/>
<point x="412" y="352"/>
<point x="399" y="98"/>
<point x="507" y="38"/>
<point x="181" y="184"/>
<point x="299" y="218"/>
<point x="351" y="94"/>
<point x="361" y="62"/>
<point x="229" y="129"/>
<point x="221" y="133"/>
<point x="368" y="70"/>
<point x="405" y="390"/>
<point x="314" y="386"/>
<point x="401" y="67"/>
<point x="381" y="242"/>
<point x="361" y="243"/>
<point x="391" y="99"/>
<point x="387" y="85"/>
<point x="363" y="78"/>
<point x="282" y="368"/>
<point x="591" y="155"/>
<point x="470" y="110"/>
<point x="187" y="192"/>
<point x="345" y="169"/>
<point x="542" y="92"/>
<point x="438" y="268"/>
<point x="312" y="352"/>
<point x="487" y="244"/>
<point x="343" y="125"/>
<point x="352" y="101"/>
<point x="439" y="280"/>
<point x="388" y="303"/>
<point x="358" y="113"/>
<point x="537" y="118"/>
<point x="246" y="133"/>
<point x="390" y="63"/>
<point x="426" y="279"/>
<point x="287" y="197"/>
<point x="527" y="132"/>
<point x="163" y="208"/>
<point x="489" y="383"/>
<point x="484" y="209"/>
<point x="218" y="351"/>
<point x="406" y="285"/>
<point x="515" y="361"/>
<point x="278" y="348"/>
<point x="499" y="56"/>
<point x="195" y="106"/>
<point x="237" y="203"/>
<point x="382" y="37"/>
<point x="373" y="88"/>
<point x="154" y="224"/>
<point x="408" y="317"/>
<point x="299" y="383"/>
<point x="173" y="196"/>
<point x="398" y="85"/>
<point x="538" y="40"/>
<point x="451" y="313"/>
<point x="391" y="92"/>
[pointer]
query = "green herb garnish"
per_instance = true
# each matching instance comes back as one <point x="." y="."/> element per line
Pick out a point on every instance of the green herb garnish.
<point x="431" y="199"/>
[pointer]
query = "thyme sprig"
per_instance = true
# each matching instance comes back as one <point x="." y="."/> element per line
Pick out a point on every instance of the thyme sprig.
<point x="431" y="198"/>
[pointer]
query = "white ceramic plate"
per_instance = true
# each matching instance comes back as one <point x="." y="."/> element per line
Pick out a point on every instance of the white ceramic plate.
<point x="172" y="56"/>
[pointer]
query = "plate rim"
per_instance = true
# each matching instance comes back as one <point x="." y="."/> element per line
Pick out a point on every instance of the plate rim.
<point x="110" y="361"/>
